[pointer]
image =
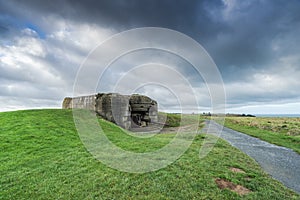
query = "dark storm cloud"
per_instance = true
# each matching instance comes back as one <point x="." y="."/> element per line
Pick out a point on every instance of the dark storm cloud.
<point x="7" y="27"/>
<point x="241" y="38"/>
<point x="191" y="18"/>
<point x="122" y="14"/>
<point x="255" y="27"/>
<point x="3" y="30"/>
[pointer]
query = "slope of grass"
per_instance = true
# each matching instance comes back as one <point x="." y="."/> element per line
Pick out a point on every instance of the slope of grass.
<point x="169" y="119"/>
<point x="280" y="131"/>
<point x="42" y="157"/>
<point x="176" y="119"/>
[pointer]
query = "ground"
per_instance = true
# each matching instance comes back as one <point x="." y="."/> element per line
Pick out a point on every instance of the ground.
<point x="42" y="157"/>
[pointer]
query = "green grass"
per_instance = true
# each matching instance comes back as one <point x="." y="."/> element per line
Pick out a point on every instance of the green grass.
<point x="279" y="131"/>
<point x="42" y="157"/>
<point x="176" y="119"/>
<point x="169" y="119"/>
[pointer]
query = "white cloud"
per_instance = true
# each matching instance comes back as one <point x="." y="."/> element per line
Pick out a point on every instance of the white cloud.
<point x="35" y="68"/>
<point x="269" y="90"/>
<point x="24" y="61"/>
<point x="82" y="37"/>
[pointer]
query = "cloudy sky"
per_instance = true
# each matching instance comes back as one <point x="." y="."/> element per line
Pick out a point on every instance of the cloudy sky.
<point x="254" y="44"/>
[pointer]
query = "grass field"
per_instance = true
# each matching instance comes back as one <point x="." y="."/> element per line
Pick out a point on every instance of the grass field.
<point x="281" y="131"/>
<point x="176" y="119"/>
<point x="170" y="120"/>
<point x="42" y="157"/>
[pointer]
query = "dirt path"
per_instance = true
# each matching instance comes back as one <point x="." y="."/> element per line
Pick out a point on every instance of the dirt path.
<point x="281" y="163"/>
<point x="186" y="128"/>
<point x="159" y="129"/>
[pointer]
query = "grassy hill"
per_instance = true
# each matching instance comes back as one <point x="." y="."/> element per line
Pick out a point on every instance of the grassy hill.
<point x="278" y="130"/>
<point x="42" y="157"/>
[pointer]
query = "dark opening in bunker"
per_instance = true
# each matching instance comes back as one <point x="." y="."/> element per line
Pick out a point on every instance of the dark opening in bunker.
<point x="140" y="118"/>
<point x="140" y="110"/>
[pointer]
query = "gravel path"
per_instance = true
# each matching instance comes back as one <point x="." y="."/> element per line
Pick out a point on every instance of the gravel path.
<point x="281" y="163"/>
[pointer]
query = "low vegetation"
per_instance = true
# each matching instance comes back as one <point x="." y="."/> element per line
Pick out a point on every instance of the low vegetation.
<point x="176" y="119"/>
<point x="42" y="157"/>
<point x="280" y="131"/>
<point x="169" y="119"/>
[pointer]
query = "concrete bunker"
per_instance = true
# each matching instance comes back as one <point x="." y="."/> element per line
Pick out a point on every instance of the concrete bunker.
<point x="127" y="111"/>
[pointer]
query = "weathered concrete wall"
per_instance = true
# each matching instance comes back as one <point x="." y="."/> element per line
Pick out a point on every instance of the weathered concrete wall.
<point x="83" y="102"/>
<point x="67" y="103"/>
<point x="115" y="108"/>
<point x="124" y="110"/>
